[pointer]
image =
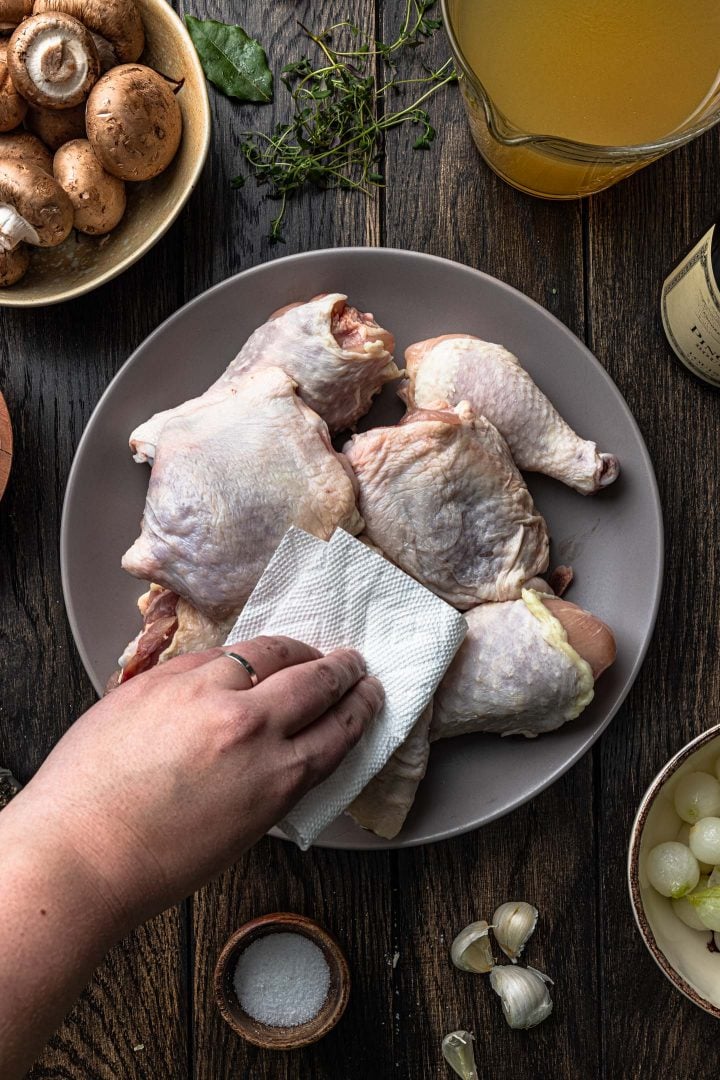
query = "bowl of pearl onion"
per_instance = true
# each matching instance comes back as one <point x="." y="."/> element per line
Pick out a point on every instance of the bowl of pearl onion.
<point x="674" y="870"/>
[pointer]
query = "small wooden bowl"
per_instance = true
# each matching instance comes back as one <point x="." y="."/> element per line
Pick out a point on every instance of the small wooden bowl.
<point x="6" y="445"/>
<point x="281" y="1038"/>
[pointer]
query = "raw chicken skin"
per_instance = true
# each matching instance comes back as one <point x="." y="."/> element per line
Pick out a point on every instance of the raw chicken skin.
<point x="459" y="367"/>
<point x="385" y="802"/>
<point x="519" y="671"/>
<point x="338" y="356"/>
<point x="229" y="479"/>
<point x="442" y="498"/>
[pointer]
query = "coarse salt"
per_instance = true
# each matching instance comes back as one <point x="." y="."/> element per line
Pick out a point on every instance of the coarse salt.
<point x="282" y="980"/>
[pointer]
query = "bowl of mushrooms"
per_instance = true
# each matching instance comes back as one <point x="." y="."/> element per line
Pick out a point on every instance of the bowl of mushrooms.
<point x="104" y="131"/>
<point x="674" y="870"/>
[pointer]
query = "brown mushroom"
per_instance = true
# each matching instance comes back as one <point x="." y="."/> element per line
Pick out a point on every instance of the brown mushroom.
<point x="56" y="126"/>
<point x="12" y="106"/>
<point x="118" y="21"/>
<point x="13" y="11"/>
<point x="13" y="265"/>
<point x="134" y="122"/>
<point x="53" y="61"/>
<point x="33" y="207"/>
<point x="97" y="197"/>
<point x="22" y="146"/>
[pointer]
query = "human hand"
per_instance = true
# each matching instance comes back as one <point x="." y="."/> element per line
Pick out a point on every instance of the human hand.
<point x="164" y="783"/>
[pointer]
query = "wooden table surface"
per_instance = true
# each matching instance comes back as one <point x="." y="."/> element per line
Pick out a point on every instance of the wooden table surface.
<point x="598" y="266"/>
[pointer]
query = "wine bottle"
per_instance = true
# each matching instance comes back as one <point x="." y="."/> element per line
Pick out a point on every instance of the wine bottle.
<point x="690" y="307"/>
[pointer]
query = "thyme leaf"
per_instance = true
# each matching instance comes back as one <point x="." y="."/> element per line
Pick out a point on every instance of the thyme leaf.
<point x="341" y="113"/>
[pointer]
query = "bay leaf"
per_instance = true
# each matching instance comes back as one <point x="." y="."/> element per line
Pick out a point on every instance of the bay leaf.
<point x="231" y="59"/>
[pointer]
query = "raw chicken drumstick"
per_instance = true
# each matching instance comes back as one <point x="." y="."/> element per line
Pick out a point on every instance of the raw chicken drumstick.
<point x="494" y="676"/>
<point x="338" y="356"/>
<point x="525" y="667"/>
<point x="459" y="367"/>
<point x="229" y="480"/>
<point x="443" y="500"/>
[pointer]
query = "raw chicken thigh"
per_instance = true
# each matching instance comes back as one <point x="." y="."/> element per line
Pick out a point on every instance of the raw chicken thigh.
<point x="443" y="500"/>
<point x="525" y="667"/>
<point x="171" y="627"/>
<point x="230" y="477"/>
<point x="338" y="356"/>
<point x="459" y="367"/>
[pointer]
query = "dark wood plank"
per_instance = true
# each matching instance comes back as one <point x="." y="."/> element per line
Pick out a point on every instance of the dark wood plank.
<point x="616" y="1016"/>
<point x="54" y="364"/>
<point x="227" y="230"/>
<point x="637" y="232"/>
<point x="446" y="201"/>
<point x="348" y="893"/>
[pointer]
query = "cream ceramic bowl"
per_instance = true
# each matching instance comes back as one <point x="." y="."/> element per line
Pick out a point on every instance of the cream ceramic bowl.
<point x="682" y="954"/>
<point x="83" y="263"/>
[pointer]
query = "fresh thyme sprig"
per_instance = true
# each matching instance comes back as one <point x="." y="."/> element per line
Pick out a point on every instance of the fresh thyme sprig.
<point x="335" y="138"/>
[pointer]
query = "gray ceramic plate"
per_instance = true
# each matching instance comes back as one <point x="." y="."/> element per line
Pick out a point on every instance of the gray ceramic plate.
<point x="613" y="540"/>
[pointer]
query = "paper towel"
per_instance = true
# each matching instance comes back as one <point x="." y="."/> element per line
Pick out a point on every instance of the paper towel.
<point x="340" y="594"/>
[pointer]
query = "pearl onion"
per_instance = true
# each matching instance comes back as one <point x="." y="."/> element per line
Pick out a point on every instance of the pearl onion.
<point x="705" y="840"/>
<point x="697" y="795"/>
<point x="683" y="837"/>
<point x="686" y="912"/>
<point x="672" y="869"/>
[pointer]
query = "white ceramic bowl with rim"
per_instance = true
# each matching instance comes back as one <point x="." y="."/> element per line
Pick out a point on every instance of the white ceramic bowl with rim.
<point x="686" y="956"/>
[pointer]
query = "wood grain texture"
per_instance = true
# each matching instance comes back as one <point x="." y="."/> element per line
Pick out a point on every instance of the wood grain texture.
<point x="598" y="266"/>
<point x="637" y="232"/>
<point x="541" y="851"/>
<point x="54" y="364"/>
<point x="350" y="894"/>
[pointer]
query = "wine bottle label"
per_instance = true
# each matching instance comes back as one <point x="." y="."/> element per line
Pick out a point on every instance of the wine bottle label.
<point x="691" y="312"/>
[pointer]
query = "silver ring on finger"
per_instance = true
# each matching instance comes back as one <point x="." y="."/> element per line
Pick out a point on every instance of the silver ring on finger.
<point x="246" y="665"/>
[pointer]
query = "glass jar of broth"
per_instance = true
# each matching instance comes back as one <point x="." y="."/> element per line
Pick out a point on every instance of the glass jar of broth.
<point x="566" y="97"/>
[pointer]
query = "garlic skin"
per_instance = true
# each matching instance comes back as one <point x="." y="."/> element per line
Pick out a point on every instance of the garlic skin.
<point x="525" y="998"/>
<point x="457" y="1049"/>
<point x="471" y="950"/>
<point x="514" y="924"/>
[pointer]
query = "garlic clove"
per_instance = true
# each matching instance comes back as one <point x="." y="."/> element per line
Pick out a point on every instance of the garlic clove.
<point x="457" y="1049"/>
<point x="471" y="950"/>
<point x="513" y="924"/>
<point x="524" y="995"/>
